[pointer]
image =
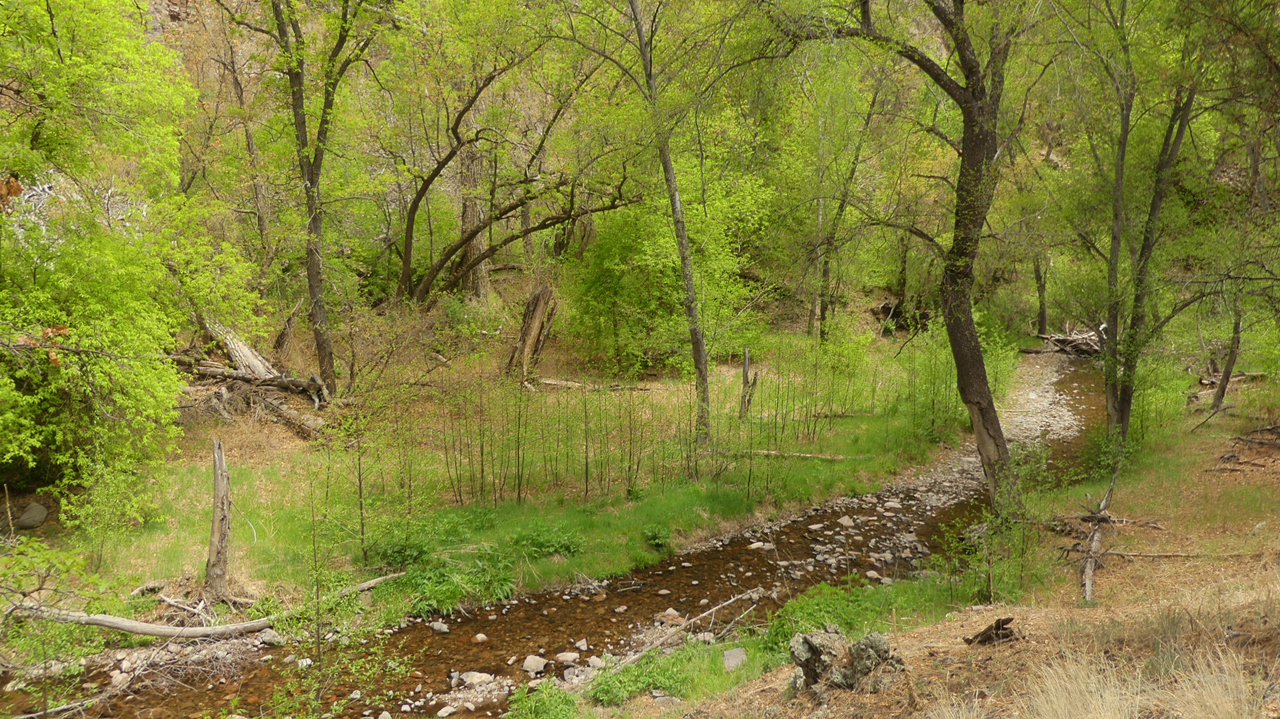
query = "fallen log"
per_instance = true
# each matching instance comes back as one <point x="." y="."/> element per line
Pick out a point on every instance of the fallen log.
<point x="278" y="381"/>
<point x="145" y="629"/>
<point x="308" y="426"/>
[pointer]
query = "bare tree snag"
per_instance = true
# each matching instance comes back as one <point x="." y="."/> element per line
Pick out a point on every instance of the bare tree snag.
<point x="215" y="569"/>
<point x="748" y="385"/>
<point x="539" y="313"/>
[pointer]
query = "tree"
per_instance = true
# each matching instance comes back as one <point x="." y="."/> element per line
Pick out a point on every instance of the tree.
<point x="1126" y="51"/>
<point x="344" y="43"/>
<point x="670" y="65"/>
<point x="978" y="95"/>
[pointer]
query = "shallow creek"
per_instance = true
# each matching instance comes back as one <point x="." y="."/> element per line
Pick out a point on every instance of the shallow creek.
<point x="881" y="536"/>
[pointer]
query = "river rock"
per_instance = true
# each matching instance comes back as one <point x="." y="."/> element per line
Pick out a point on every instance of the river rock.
<point x="447" y="711"/>
<point x="534" y="664"/>
<point x="892" y="505"/>
<point x="440" y="627"/>
<point x="480" y="639"/>
<point x="734" y="658"/>
<point x="270" y="637"/>
<point x="385" y="715"/>
<point x="475" y="679"/>
<point x="33" y="516"/>
<point x="580" y="645"/>
<point x="845" y="521"/>
<point x="595" y="662"/>
<point x="567" y="657"/>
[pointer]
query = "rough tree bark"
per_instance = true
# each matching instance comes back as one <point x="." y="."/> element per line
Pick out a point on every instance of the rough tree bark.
<point x="475" y="282"/>
<point x="216" y="587"/>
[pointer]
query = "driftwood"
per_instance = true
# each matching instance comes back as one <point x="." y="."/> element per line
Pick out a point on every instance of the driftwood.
<point x="1078" y="344"/>
<point x="570" y="384"/>
<point x="1237" y="377"/>
<point x="305" y="424"/>
<point x="163" y="630"/>
<point x="242" y="355"/>
<point x="1258" y="442"/>
<point x="55" y="711"/>
<point x="206" y="369"/>
<point x="796" y="455"/>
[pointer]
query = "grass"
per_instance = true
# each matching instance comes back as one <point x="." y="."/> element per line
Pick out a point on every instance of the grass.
<point x="616" y="471"/>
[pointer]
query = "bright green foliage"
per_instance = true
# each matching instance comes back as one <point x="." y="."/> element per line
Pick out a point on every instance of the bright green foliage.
<point x="627" y="297"/>
<point x="90" y="88"/>
<point x="651" y="672"/>
<point x="548" y="702"/>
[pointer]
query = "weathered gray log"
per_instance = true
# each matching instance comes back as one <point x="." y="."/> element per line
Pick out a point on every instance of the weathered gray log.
<point x="215" y="568"/>
<point x="279" y="381"/>
<point x="246" y="359"/>
<point x="308" y="426"/>
<point x="163" y="630"/>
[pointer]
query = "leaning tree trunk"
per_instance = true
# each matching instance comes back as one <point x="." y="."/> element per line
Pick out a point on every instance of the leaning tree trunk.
<point x="216" y="587"/>
<point x="1220" y="394"/>
<point x="539" y="313"/>
<point x="975" y="190"/>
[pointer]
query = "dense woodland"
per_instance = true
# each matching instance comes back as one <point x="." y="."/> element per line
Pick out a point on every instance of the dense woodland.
<point x="375" y="195"/>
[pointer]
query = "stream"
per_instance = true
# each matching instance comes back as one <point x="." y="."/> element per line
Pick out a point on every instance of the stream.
<point x="881" y="536"/>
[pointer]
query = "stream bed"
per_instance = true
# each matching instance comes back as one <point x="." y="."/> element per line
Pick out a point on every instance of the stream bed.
<point x="883" y="536"/>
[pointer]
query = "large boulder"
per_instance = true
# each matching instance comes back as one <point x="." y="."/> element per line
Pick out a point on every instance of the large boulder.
<point x="33" y="516"/>
<point x="830" y="658"/>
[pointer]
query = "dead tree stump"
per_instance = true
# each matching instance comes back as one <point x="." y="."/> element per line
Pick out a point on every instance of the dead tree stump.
<point x="215" y="569"/>
<point x="539" y="313"/>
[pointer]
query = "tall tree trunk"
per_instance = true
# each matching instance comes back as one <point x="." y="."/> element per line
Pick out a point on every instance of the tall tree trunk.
<point x="215" y="569"/>
<point x="696" y="336"/>
<point x="825" y="302"/>
<point x="251" y="150"/>
<point x="1220" y="394"/>
<point x="318" y="313"/>
<point x="476" y="282"/>
<point x="644" y="43"/>
<point x="1042" y="282"/>
<point x="975" y="190"/>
